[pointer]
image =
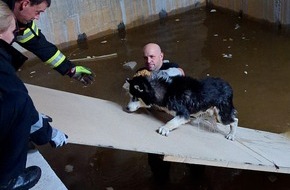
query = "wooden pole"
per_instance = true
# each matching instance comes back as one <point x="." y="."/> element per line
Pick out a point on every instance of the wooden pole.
<point x="94" y="58"/>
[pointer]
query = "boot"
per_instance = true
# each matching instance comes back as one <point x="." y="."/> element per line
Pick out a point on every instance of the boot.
<point x="26" y="180"/>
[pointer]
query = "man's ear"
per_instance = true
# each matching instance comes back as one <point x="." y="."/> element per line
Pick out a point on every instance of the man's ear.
<point x="24" y="4"/>
<point x="161" y="55"/>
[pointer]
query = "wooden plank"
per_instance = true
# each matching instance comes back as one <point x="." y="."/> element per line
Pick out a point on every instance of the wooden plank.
<point x="48" y="178"/>
<point x="96" y="122"/>
<point x="95" y="58"/>
<point x="273" y="148"/>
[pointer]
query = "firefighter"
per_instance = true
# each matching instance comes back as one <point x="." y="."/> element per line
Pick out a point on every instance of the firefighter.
<point x="31" y="38"/>
<point x="20" y="122"/>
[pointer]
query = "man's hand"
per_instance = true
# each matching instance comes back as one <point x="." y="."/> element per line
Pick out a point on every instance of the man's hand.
<point x="82" y="74"/>
<point x="58" y="138"/>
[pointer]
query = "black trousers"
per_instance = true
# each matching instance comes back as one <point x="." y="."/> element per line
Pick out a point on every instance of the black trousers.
<point x="17" y="114"/>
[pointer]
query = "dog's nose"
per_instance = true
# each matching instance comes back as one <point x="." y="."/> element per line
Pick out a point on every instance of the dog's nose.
<point x="127" y="109"/>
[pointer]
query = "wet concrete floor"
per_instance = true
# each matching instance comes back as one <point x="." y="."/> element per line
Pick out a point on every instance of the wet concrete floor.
<point x="253" y="57"/>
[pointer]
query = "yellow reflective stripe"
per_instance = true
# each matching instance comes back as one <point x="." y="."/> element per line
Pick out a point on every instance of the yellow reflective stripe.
<point x="28" y="34"/>
<point x="56" y="60"/>
<point x="34" y="28"/>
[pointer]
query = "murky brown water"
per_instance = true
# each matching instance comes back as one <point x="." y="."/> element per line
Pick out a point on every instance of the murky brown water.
<point x="257" y="67"/>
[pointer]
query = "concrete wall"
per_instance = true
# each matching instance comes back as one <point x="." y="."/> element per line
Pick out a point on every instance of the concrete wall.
<point x="64" y="20"/>
<point x="273" y="11"/>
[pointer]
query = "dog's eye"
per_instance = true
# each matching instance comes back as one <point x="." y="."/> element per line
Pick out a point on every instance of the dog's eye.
<point x="138" y="88"/>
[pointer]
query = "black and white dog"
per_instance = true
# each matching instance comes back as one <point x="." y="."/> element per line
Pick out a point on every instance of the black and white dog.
<point x="184" y="97"/>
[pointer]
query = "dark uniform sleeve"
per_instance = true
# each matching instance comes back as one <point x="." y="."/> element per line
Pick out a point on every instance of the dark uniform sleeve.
<point x="33" y="40"/>
<point x="16" y="103"/>
<point x="42" y="135"/>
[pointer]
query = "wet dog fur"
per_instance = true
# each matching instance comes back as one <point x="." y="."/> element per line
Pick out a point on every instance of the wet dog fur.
<point x="184" y="97"/>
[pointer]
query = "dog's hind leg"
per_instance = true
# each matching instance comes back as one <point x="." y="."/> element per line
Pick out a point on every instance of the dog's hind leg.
<point x="172" y="124"/>
<point x="228" y="119"/>
<point x="233" y="129"/>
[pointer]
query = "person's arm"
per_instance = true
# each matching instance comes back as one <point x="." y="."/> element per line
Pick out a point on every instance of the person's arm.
<point x="172" y="69"/>
<point x="33" y="40"/>
<point x="171" y="72"/>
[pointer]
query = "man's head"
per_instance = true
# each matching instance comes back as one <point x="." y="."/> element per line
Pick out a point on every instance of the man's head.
<point x="153" y="56"/>
<point x="26" y="11"/>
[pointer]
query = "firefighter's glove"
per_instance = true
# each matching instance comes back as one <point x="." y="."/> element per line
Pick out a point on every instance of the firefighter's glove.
<point x="58" y="138"/>
<point x="82" y="74"/>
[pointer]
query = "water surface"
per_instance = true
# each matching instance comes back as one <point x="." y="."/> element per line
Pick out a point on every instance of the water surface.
<point x="252" y="57"/>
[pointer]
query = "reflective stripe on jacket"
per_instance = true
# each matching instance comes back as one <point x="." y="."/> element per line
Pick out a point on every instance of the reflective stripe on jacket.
<point x="28" y="34"/>
<point x="56" y="59"/>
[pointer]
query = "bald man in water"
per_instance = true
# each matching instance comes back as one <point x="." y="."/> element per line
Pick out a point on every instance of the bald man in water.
<point x="153" y="57"/>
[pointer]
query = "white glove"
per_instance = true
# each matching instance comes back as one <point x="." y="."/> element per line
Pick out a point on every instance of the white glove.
<point x="58" y="138"/>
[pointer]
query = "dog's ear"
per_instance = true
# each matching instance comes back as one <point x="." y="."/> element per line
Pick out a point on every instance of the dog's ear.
<point x="128" y="80"/>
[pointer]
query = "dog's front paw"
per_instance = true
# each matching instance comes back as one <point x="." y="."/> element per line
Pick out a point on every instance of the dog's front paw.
<point x="163" y="131"/>
<point x="230" y="137"/>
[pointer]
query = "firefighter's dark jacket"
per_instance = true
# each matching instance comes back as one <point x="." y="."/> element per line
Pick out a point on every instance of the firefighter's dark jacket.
<point x="9" y="82"/>
<point x="31" y="38"/>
